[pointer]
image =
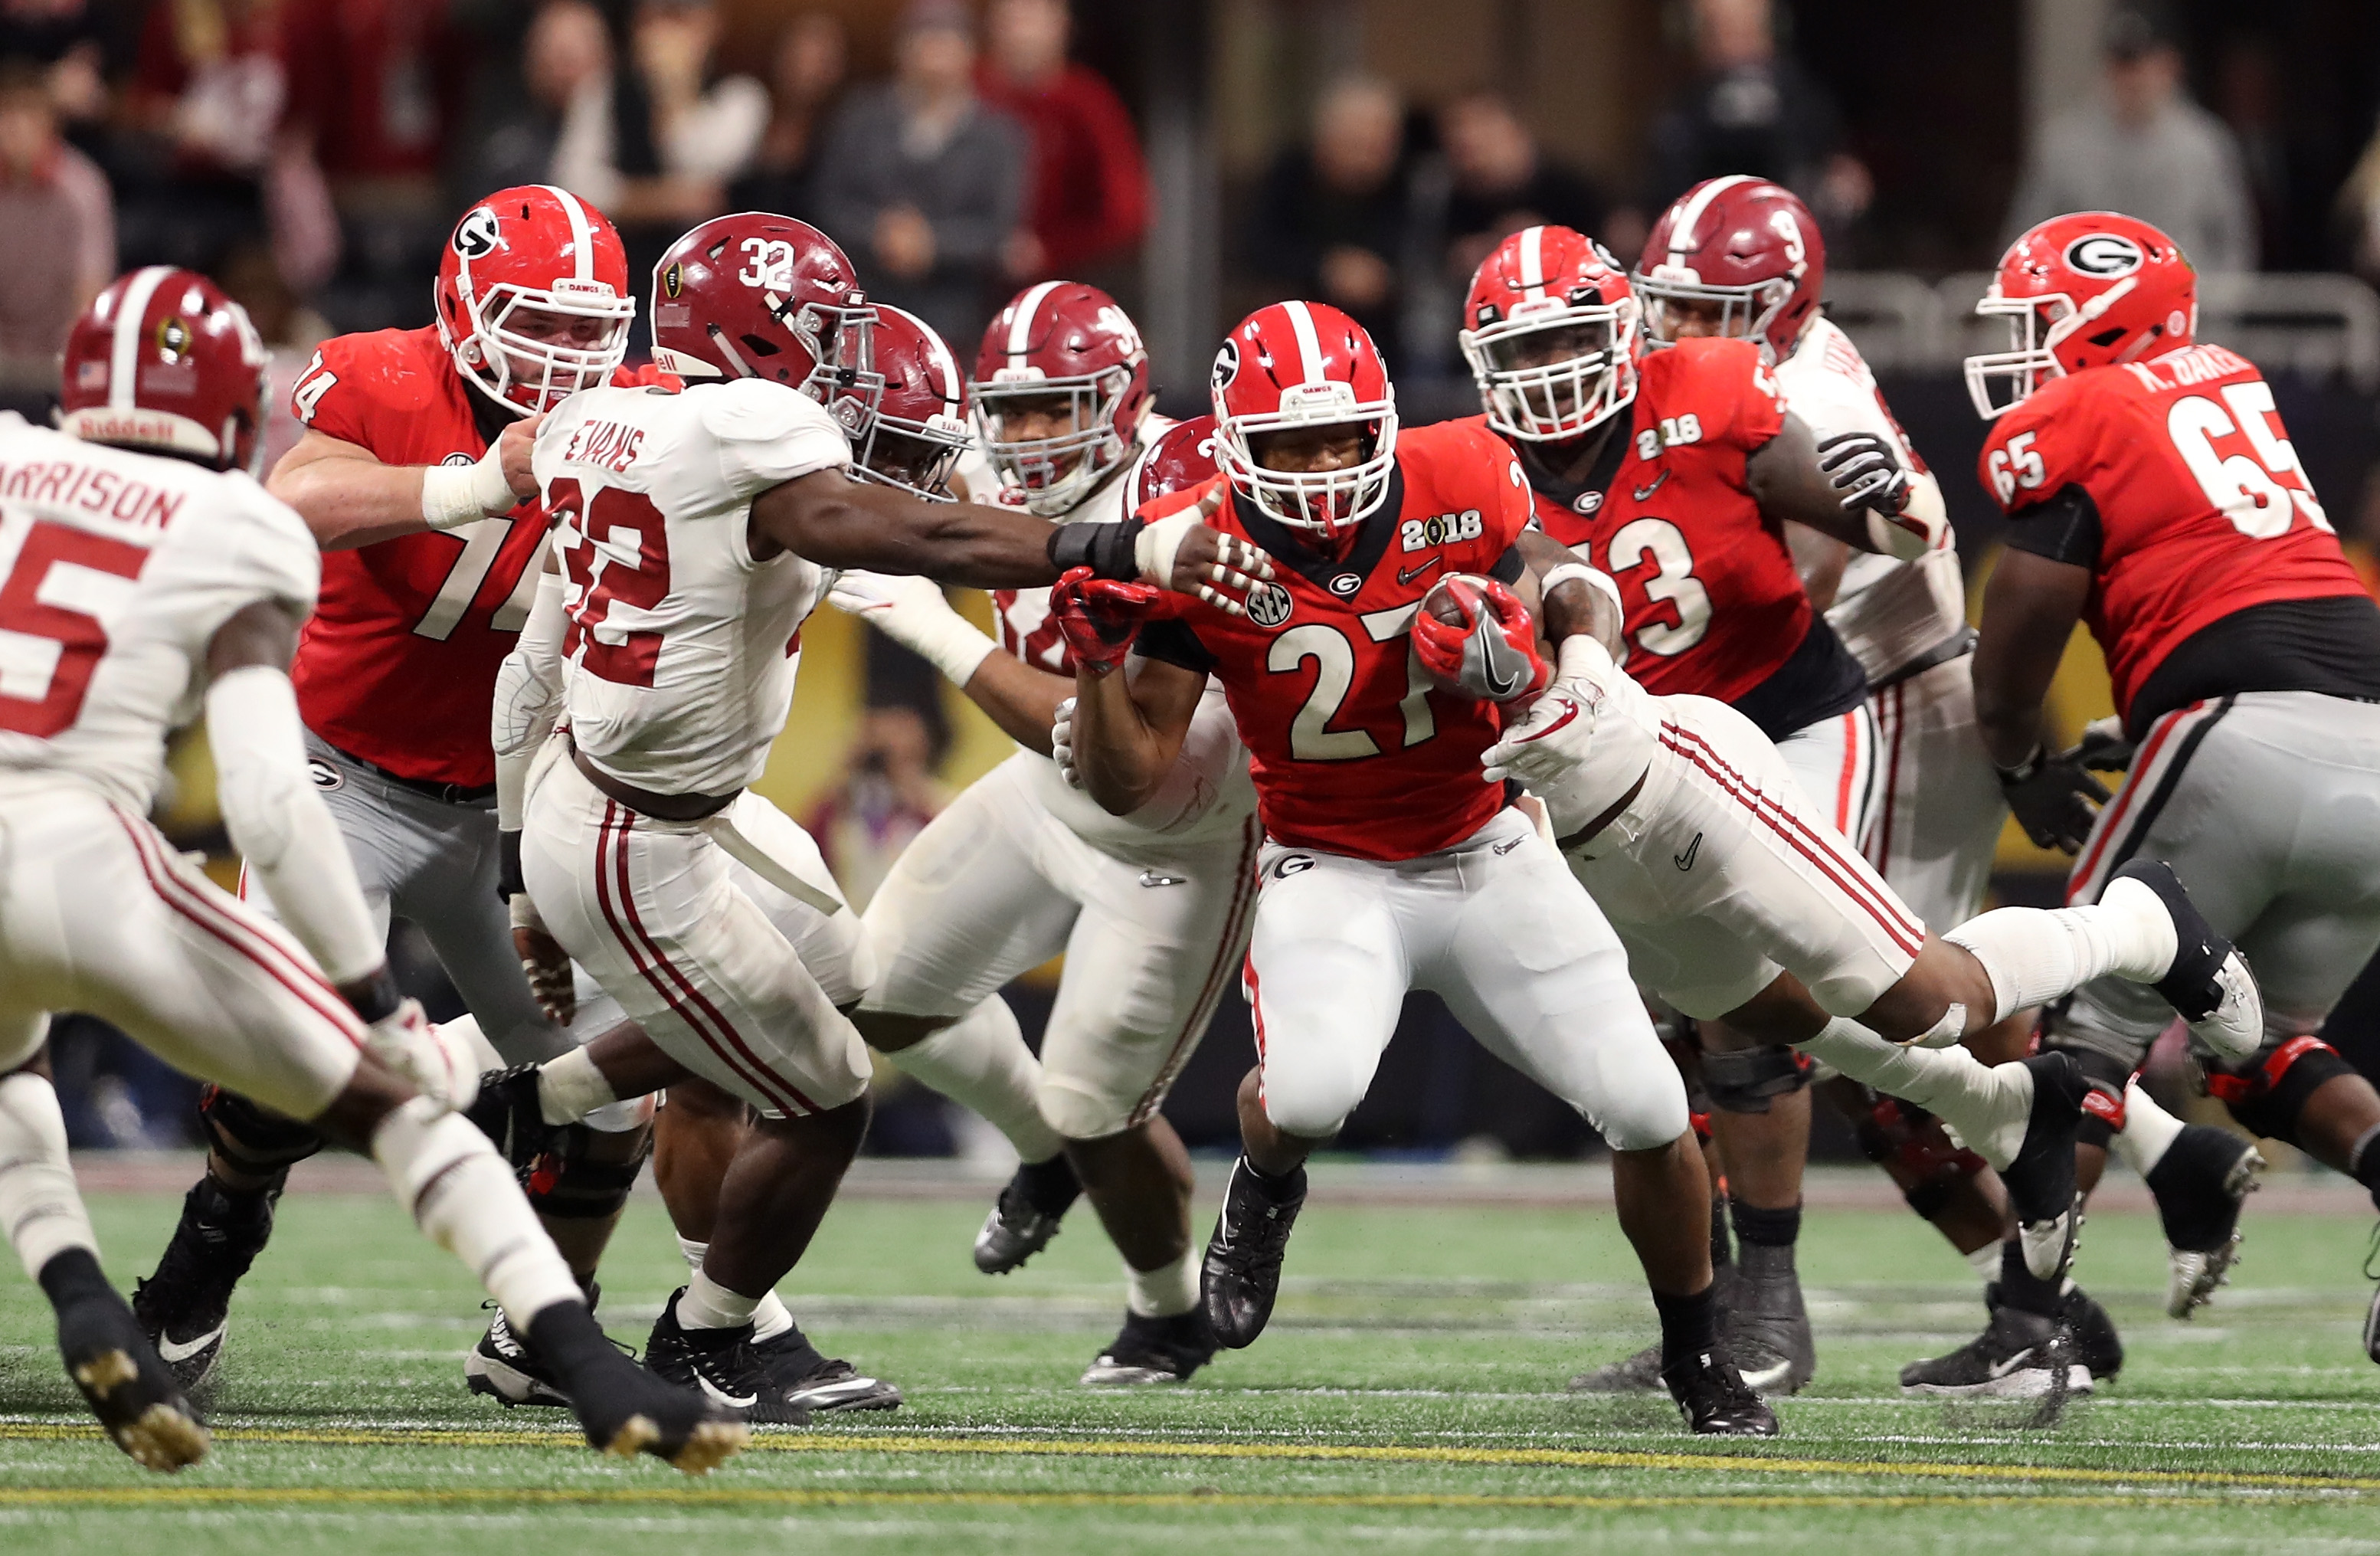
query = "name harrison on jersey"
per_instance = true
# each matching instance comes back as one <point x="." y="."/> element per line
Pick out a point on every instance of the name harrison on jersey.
<point x="67" y="484"/>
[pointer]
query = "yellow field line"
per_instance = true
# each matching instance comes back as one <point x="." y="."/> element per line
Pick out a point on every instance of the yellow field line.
<point x="1415" y="1453"/>
<point x="63" y="1499"/>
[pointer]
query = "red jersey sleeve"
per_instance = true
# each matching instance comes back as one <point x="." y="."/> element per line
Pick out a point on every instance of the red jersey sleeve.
<point x="2046" y="443"/>
<point x="1719" y="392"/>
<point x="358" y="386"/>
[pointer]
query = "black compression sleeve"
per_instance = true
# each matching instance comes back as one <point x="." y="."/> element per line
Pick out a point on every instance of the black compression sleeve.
<point x="2065" y="528"/>
<point x="1175" y="643"/>
<point x="1509" y="566"/>
<point x="1105" y="549"/>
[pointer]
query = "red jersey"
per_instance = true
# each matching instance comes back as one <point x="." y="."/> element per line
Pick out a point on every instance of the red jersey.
<point x="398" y="664"/>
<point x="2190" y="500"/>
<point x="1353" y="749"/>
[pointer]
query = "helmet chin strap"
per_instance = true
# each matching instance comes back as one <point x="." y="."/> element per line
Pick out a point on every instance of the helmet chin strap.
<point x="727" y="349"/>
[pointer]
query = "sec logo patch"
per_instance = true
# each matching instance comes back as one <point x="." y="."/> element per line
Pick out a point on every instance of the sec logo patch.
<point x="1269" y="605"/>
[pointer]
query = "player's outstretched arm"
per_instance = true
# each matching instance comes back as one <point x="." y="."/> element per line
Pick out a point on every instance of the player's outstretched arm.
<point x="1851" y="486"/>
<point x="349" y="498"/>
<point x="912" y="612"/>
<point x="2029" y="609"/>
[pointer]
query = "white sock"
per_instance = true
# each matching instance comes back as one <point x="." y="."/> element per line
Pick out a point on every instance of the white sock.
<point x="2035" y="956"/>
<point x="39" y="1208"/>
<point x="708" y="1305"/>
<point x="770" y="1320"/>
<point x="1162" y="1293"/>
<point x="1985" y="1262"/>
<point x="1987" y="1108"/>
<point x="980" y="1062"/>
<point x="461" y="1193"/>
<point x="692" y="1252"/>
<point x="570" y="1087"/>
<point x="2148" y="1130"/>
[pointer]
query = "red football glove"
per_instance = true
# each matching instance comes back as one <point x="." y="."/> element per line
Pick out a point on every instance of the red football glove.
<point x="1100" y="617"/>
<point x="1491" y="651"/>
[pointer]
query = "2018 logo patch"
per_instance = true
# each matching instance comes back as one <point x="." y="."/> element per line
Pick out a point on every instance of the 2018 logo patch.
<point x="1439" y="529"/>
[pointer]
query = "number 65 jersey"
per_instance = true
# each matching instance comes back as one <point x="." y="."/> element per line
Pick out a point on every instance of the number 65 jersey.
<point x="2173" y="481"/>
<point x="681" y="648"/>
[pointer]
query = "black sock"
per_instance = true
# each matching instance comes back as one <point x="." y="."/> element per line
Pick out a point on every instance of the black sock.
<point x="565" y="1336"/>
<point x="2364" y="1162"/>
<point x="2023" y="1289"/>
<point x="1723" y="1250"/>
<point x="1276" y="1186"/>
<point x="72" y="1274"/>
<point x="1773" y="1229"/>
<point x="1689" y="1325"/>
<point x="1049" y="1186"/>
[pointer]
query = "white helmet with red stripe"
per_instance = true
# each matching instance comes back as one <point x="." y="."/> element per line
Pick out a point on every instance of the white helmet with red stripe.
<point x="906" y="414"/>
<point x="1059" y="341"/>
<point x="1296" y="365"/>
<point x="1550" y="335"/>
<point x="533" y="298"/>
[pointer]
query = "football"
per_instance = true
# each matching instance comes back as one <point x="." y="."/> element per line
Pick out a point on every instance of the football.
<point x="1486" y="665"/>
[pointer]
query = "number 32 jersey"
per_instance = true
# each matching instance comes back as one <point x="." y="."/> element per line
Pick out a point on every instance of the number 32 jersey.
<point x="681" y="648"/>
<point x="2199" y="508"/>
<point x="1353" y="749"/>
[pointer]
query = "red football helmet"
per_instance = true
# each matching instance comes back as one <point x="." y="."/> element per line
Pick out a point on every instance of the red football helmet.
<point x="907" y="414"/>
<point x="2082" y="291"/>
<point x="1183" y="456"/>
<point x="162" y="361"/>
<point x="1305" y="364"/>
<point x="1550" y="335"/>
<point x="1060" y="339"/>
<point x="546" y="251"/>
<point x="1746" y="245"/>
<point x="759" y="296"/>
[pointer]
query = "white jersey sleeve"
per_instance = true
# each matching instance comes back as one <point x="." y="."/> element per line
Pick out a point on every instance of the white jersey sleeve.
<point x="1886" y="612"/>
<point x="768" y="434"/>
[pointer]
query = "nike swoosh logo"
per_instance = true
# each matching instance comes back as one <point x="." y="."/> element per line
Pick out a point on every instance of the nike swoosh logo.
<point x="2022" y="1359"/>
<point x="1644" y="492"/>
<point x="1407" y="574"/>
<point x="1153" y="878"/>
<point x="1502" y="848"/>
<point x="733" y="1401"/>
<point x="1687" y="859"/>
<point x="1570" y="712"/>
<point x="1504" y="670"/>
<point x="183" y="1350"/>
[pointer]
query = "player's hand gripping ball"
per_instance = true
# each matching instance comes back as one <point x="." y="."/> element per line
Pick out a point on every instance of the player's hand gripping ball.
<point x="1474" y="637"/>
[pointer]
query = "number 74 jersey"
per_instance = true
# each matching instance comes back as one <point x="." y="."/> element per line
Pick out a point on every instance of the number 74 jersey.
<point x="2202" y="509"/>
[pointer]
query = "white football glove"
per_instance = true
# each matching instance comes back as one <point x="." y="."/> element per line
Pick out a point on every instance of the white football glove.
<point x="1062" y="744"/>
<point x="913" y="613"/>
<point x="443" y="1066"/>
<point x="1551" y="743"/>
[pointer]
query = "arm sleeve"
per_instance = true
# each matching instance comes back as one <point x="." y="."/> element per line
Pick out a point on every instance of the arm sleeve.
<point x="529" y="699"/>
<point x="2064" y="528"/>
<point x="1173" y="641"/>
<point x="1509" y="566"/>
<point x="280" y="825"/>
<point x="338" y="394"/>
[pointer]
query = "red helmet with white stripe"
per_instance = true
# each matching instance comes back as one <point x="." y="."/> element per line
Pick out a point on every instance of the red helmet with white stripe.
<point x="1296" y="365"/>
<point x="906" y="414"/>
<point x="1060" y="388"/>
<point x="759" y="296"/>
<point x="532" y="296"/>
<point x="1550" y="335"/>
<point x="164" y="362"/>
<point x="2082" y="291"/>
<point x="1737" y="256"/>
<point x="1183" y="456"/>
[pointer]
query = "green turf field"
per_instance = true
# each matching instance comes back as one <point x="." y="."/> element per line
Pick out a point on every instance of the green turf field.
<point x="1408" y="1397"/>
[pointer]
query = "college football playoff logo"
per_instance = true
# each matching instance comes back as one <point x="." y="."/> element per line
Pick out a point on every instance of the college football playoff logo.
<point x="673" y="280"/>
<point x="477" y="235"/>
<point x="1268" y="604"/>
<point x="2104" y="254"/>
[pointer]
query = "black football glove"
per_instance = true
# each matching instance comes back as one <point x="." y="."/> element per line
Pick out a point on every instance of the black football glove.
<point x="2105" y="747"/>
<point x="1866" y="471"/>
<point x="2055" y="799"/>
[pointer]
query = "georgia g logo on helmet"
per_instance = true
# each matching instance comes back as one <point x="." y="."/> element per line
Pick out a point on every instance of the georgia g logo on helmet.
<point x="1227" y="364"/>
<point x="2104" y="254"/>
<point x="477" y="235"/>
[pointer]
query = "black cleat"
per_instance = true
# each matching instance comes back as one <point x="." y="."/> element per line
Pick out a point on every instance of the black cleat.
<point x="1026" y="1214"/>
<point x="1149" y="1351"/>
<point x="2200" y="1183"/>
<point x="503" y="1367"/>
<point x="2040" y="1182"/>
<point x="625" y="1409"/>
<point x="132" y="1391"/>
<point x="185" y="1306"/>
<point x="720" y="1364"/>
<point x="818" y="1383"/>
<point x="1639" y="1374"/>
<point x="2018" y="1356"/>
<point x="2208" y="984"/>
<point x="1241" y="1274"/>
<point x="1767" y="1325"/>
<point x="2097" y="1346"/>
<point x="1714" y="1398"/>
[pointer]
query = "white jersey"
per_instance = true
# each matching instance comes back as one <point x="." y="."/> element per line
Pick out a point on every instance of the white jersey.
<point x="681" y="650"/>
<point x="116" y="570"/>
<point x="1886" y="613"/>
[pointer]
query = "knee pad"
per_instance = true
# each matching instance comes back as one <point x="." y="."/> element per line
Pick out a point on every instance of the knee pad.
<point x="2267" y="1092"/>
<point x="1078" y="1115"/>
<point x="590" y="1177"/>
<point x="252" y="1137"/>
<point x="2106" y="1075"/>
<point x="1743" y="1080"/>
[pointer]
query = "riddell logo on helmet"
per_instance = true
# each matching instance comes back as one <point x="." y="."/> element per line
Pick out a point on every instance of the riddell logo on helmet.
<point x="476" y="236"/>
<point x="2104" y="254"/>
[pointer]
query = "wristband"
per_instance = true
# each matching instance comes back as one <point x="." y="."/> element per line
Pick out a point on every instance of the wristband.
<point x="1106" y="549"/>
<point x="2022" y="769"/>
<point x="953" y="645"/>
<point x="1579" y="572"/>
<point x="508" y="867"/>
<point x="377" y="996"/>
<point x="1584" y="658"/>
<point x="453" y="495"/>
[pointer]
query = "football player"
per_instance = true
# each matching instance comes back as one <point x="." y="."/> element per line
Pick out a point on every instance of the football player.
<point x="2153" y="496"/>
<point x="413" y="475"/>
<point x="1387" y="865"/>
<point x="696" y="530"/>
<point x="1676" y="473"/>
<point x="140" y="548"/>
<point x="1151" y="909"/>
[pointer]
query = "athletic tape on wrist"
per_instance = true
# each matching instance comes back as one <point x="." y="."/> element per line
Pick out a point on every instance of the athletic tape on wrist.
<point x="453" y="495"/>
